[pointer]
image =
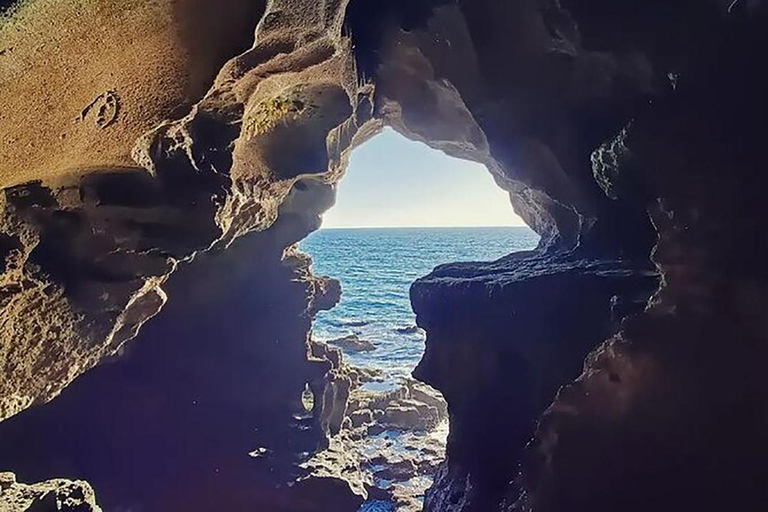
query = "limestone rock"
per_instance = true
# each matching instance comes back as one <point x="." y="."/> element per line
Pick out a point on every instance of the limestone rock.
<point x="353" y="343"/>
<point x="361" y="417"/>
<point x="215" y="384"/>
<point x="61" y="118"/>
<point x="153" y="152"/>
<point x="50" y="496"/>
<point x="92" y="224"/>
<point x="317" y="494"/>
<point x="411" y="329"/>
<point x="498" y="358"/>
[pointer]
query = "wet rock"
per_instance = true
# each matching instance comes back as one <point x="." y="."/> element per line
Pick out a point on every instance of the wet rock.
<point x="411" y="329"/>
<point x="421" y="393"/>
<point x="365" y="375"/>
<point x="404" y="416"/>
<point x="353" y="323"/>
<point x="401" y="470"/>
<point x="319" y="494"/>
<point x="361" y="417"/>
<point x="389" y="436"/>
<point x="337" y="467"/>
<point x="50" y="496"/>
<point x="411" y="414"/>
<point x="377" y="428"/>
<point x="353" y="343"/>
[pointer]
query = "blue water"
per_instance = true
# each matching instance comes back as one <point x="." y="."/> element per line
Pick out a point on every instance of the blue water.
<point x="376" y="268"/>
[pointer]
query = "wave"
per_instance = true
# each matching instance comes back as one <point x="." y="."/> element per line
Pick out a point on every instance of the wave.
<point x="349" y="322"/>
<point x="411" y="329"/>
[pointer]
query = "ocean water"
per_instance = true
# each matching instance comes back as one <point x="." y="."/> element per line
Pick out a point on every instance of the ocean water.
<point x="376" y="268"/>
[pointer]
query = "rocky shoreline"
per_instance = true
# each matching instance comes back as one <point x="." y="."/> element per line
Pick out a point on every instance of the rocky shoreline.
<point x="53" y="495"/>
<point x="390" y="441"/>
<point x="161" y="160"/>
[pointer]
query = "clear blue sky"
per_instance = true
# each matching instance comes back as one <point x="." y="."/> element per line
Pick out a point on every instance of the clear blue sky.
<point x="395" y="182"/>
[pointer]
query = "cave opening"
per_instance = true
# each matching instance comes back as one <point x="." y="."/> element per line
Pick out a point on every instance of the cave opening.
<point x="401" y="210"/>
<point x="156" y="311"/>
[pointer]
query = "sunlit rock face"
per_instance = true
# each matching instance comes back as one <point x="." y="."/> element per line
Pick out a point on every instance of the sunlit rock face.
<point x="51" y="496"/>
<point x="150" y="154"/>
<point x="83" y="79"/>
<point x="84" y="258"/>
<point x="203" y="412"/>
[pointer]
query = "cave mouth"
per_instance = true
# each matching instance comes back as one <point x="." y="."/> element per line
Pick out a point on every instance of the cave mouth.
<point x="402" y="209"/>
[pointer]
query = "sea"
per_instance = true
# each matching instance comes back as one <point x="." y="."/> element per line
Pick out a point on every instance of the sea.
<point x="376" y="267"/>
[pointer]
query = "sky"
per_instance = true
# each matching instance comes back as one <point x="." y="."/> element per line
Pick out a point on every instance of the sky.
<point x="395" y="182"/>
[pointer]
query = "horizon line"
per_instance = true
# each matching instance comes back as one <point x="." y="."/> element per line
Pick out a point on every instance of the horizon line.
<point x="426" y="227"/>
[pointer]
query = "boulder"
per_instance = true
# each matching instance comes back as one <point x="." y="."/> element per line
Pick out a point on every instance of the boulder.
<point x="353" y="343"/>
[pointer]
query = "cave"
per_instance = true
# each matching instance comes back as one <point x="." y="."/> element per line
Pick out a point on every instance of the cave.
<point x="401" y="210"/>
<point x="161" y="162"/>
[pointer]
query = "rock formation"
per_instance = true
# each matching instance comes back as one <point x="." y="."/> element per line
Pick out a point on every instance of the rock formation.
<point x="353" y="343"/>
<point x="92" y="251"/>
<point x="51" y="496"/>
<point x="390" y="442"/>
<point x="195" y="394"/>
<point x="175" y="151"/>
<point x="501" y="339"/>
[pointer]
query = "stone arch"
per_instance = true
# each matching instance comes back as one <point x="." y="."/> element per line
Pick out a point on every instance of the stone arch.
<point x="563" y="101"/>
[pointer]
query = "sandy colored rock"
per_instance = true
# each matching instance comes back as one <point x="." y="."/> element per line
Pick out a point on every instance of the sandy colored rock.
<point x="93" y="251"/>
<point x="50" y="496"/>
<point x="95" y="75"/>
<point x="621" y="130"/>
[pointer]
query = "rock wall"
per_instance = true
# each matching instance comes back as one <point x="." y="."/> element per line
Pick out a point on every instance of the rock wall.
<point x="85" y="258"/>
<point x="50" y="496"/>
<point x="627" y="133"/>
<point x="83" y="79"/>
<point x="670" y="411"/>
<point x="590" y="114"/>
<point x="203" y="410"/>
<point x="510" y="85"/>
<point x="645" y="425"/>
<point x="501" y="339"/>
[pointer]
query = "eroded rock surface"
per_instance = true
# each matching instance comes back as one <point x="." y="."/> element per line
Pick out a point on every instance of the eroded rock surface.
<point x="615" y="126"/>
<point x="51" y="496"/>
<point x="83" y="79"/>
<point x="672" y="404"/>
<point x="203" y="410"/>
<point x="353" y="343"/>
<point x="501" y="338"/>
<point x="84" y="258"/>
<point x="390" y="442"/>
